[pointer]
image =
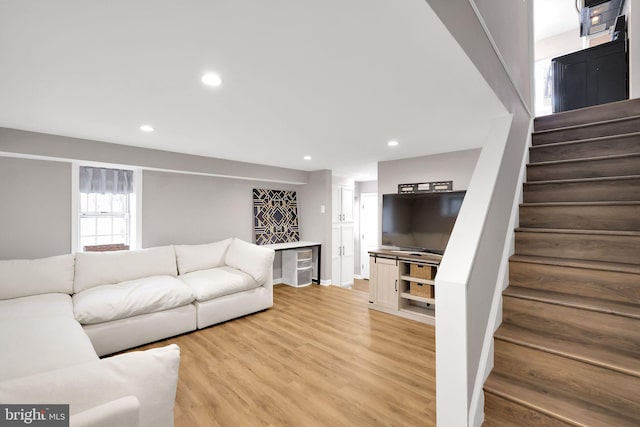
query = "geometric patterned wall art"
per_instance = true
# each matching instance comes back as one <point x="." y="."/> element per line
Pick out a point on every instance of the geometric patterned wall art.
<point x="275" y="214"/>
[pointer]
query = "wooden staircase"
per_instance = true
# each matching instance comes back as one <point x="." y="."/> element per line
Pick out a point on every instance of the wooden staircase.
<point x="568" y="350"/>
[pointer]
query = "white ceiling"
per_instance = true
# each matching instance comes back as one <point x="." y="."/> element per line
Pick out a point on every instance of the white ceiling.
<point x="551" y="17"/>
<point x="333" y="79"/>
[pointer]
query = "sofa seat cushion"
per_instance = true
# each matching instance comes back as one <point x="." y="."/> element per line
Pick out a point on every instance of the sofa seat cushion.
<point x="105" y="268"/>
<point x="38" y="344"/>
<point x="218" y="282"/>
<point x="131" y="298"/>
<point x="44" y="305"/>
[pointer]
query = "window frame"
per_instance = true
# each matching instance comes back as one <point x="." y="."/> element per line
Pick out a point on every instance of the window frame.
<point x="133" y="202"/>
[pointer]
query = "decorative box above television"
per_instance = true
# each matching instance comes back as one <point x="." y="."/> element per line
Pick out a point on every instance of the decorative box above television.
<point x="425" y="187"/>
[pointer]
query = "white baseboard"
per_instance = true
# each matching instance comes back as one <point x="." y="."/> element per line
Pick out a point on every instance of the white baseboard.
<point x="325" y="282"/>
<point x="278" y="281"/>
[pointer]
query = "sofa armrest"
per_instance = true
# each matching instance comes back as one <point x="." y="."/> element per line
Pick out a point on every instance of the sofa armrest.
<point x="253" y="260"/>
<point x="151" y="376"/>
<point x="123" y="412"/>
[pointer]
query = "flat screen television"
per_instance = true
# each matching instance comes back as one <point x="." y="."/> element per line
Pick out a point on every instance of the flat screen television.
<point x="420" y="222"/>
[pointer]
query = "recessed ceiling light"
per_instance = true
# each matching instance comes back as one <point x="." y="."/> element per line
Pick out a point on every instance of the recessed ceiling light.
<point x="146" y="128"/>
<point x="211" y="79"/>
<point x="307" y="157"/>
<point x="392" y="143"/>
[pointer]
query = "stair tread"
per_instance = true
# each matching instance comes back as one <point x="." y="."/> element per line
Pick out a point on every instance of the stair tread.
<point x="577" y="231"/>
<point x="577" y="263"/>
<point x="590" y="124"/>
<point x="630" y="310"/>
<point x="585" y="159"/>
<point x="585" y="140"/>
<point x="568" y="409"/>
<point x="501" y="412"/>
<point x="577" y="180"/>
<point x="582" y="116"/>
<point x="601" y="339"/>
<point x="599" y="203"/>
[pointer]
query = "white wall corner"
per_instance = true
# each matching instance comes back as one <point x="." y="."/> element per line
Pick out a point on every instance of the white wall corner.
<point x="75" y="207"/>
<point x="135" y="237"/>
<point x="278" y="281"/>
<point x="451" y="355"/>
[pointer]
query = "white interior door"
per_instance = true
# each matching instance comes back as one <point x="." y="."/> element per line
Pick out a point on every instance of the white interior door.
<point x="336" y="254"/>
<point x="368" y="230"/>
<point x="348" y="259"/>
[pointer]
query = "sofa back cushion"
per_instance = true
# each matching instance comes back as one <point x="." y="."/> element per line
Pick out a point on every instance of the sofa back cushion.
<point x="252" y="259"/>
<point x="106" y="268"/>
<point x="201" y="257"/>
<point x="26" y="277"/>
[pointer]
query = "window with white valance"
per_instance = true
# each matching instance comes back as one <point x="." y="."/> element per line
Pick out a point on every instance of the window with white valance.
<point x="105" y="181"/>
<point x="105" y="208"/>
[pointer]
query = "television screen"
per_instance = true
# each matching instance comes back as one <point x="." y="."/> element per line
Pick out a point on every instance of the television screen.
<point x="420" y="221"/>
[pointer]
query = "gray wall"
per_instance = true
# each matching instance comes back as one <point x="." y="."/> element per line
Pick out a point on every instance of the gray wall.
<point x="508" y="26"/>
<point x="62" y="147"/>
<point x="456" y="166"/>
<point x="314" y="225"/>
<point x="176" y="207"/>
<point x="190" y="209"/>
<point x="35" y="217"/>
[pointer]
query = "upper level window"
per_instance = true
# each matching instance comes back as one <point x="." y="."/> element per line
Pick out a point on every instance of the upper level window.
<point x="105" y="208"/>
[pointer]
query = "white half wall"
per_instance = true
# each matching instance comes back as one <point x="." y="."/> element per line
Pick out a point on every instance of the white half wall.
<point x="489" y="33"/>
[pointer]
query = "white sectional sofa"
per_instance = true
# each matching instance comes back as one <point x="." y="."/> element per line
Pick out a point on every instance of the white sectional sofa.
<point x="59" y="314"/>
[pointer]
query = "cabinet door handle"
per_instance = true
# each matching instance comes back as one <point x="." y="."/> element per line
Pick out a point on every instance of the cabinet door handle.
<point x="396" y="285"/>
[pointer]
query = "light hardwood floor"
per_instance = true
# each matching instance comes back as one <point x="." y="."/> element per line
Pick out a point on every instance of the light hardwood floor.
<point x="361" y="285"/>
<point x="319" y="357"/>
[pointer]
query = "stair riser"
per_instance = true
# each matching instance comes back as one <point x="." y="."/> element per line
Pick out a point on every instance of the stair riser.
<point x="597" y="113"/>
<point x="621" y="249"/>
<point x="499" y="412"/>
<point x="585" y="169"/>
<point x="557" y="375"/>
<point x="627" y="189"/>
<point x="585" y="149"/>
<point x="584" y="132"/>
<point x="589" y="328"/>
<point x="608" y="285"/>
<point x="581" y="217"/>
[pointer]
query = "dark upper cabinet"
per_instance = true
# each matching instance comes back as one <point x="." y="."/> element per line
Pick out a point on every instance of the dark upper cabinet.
<point x="593" y="76"/>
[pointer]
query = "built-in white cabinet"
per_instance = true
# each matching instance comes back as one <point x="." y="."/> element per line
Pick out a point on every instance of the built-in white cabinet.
<point x="342" y="237"/>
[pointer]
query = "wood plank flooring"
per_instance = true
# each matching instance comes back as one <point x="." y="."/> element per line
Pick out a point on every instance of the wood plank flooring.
<point x="361" y="285"/>
<point x="319" y="357"/>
